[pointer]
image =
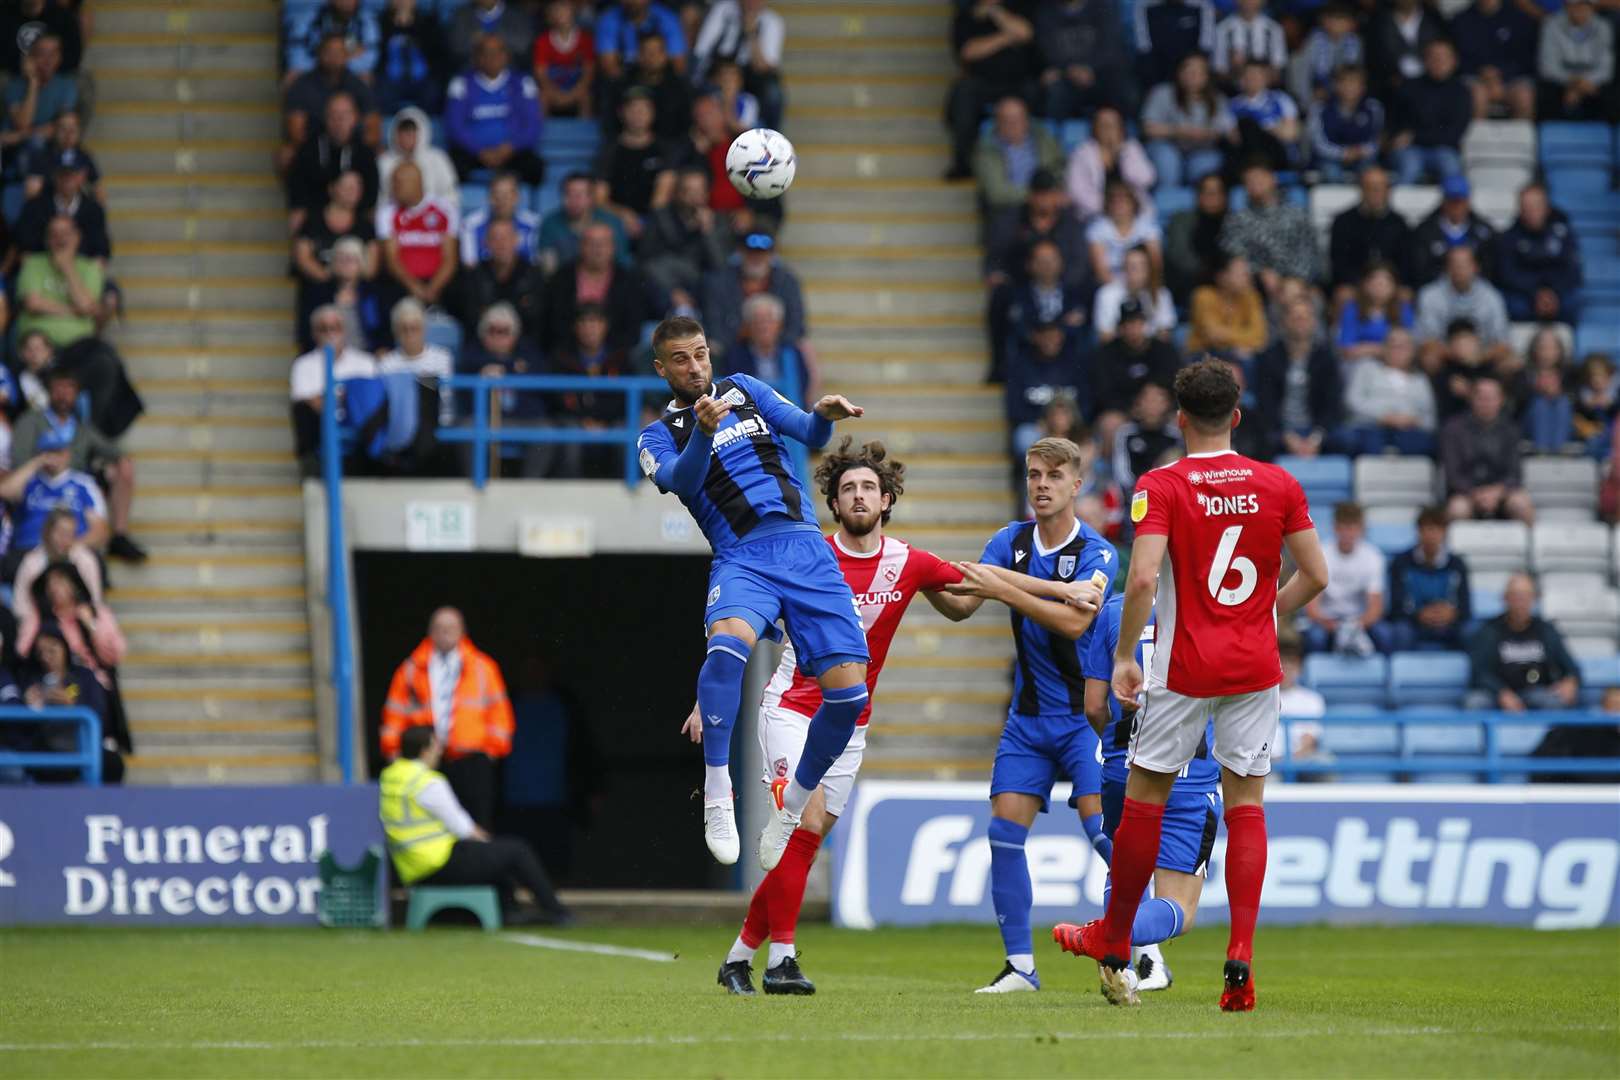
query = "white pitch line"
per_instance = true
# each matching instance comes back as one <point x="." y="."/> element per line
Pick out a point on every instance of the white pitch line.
<point x="784" y="1037"/>
<point x="565" y="945"/>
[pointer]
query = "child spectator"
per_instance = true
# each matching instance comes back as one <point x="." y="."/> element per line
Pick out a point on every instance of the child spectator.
<point x="1549" y="418"/>
<point x="565" y="62"/>
<point x="493" y="116"/>
<point x="1346" y="128"/>
<point x="1347" y="616"/>
<point x="1185" y="124"/>
<point x="1249" y="36"/>
<point x="1300" y="706"/>
<point x="1332" y="46"/>
<point x="1266" y="120"/>
<point x="1366" y="320"/>
<point x="410" y="59"/>
<point x="1597" y="398"/>
<point x="1430" y="604"/>
<point x="1391" y="404"/>
<point x="1122" y="225"/>
<point x="741" y="107"/>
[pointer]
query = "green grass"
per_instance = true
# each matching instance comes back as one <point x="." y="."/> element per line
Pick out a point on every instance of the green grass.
<point x="1450" y="1001"/>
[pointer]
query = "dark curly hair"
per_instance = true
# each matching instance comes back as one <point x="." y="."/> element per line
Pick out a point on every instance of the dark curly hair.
<point x="874" y="455"/>
<point x="1207" y="392"/>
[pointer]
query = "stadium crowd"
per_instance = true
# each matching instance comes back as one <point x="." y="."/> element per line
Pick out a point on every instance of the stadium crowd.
<point x="499" y="188"/>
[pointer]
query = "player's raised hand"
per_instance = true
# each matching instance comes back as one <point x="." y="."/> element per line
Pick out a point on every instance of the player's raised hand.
<point x="693" y="728"/>
<point x="977" y="580"/>
<point x="1085" y="595"/>
<point x="838" y="407"/>
<point x="1127" y="683"/>
<point x="709" y="412"/>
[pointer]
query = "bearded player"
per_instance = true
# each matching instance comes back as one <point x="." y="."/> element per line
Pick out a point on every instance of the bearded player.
<point x="861" y="487"/>
<point x="1223" y="521"/>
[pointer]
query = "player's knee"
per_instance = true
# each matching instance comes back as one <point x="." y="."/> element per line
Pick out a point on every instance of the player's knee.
<point x="727" y="651"/>
<point x="839" y="676"/>
<point x="844" y="704"/>
<point x="737" y="629"/>
<point x="1005" y="833"/>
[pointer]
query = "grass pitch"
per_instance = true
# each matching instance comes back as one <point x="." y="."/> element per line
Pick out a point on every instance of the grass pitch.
<point x="1443" y="1001"/>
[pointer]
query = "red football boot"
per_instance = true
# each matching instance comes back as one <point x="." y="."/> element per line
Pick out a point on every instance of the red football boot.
<point x="1238" y="996"/>
<point x="1118" y="978"/>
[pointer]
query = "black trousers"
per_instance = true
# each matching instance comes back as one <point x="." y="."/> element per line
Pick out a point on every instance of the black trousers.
<point x="526" y="164"/>
<point x="504" y="862"/>
<point x="475" y="780"/>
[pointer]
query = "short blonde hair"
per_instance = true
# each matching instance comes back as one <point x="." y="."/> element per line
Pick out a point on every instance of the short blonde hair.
<point x="1055" y="450"/>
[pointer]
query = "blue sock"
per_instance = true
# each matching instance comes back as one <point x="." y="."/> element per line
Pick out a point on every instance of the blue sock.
<point x="830" y="731"/>
<point x="1010" y="888"/>
<point x="720" y="694"/>
<point x="1099" y="839"/>
<point x="1158" y="919"/>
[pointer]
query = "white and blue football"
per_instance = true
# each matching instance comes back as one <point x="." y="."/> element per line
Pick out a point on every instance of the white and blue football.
<point x="761" y="163"/>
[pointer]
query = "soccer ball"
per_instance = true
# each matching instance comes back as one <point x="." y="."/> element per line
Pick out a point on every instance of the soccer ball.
<point x="761" y="163"/>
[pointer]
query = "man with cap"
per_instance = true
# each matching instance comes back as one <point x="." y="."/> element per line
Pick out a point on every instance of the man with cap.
<point x="67" y="196"/>
<point x="1134" y="358"/>
<point x="40" y="485"/>
<point x="90" y="453"/>
<point x="1452" y="224"/>
<point x="37" y="167"/>
<point x="755" y="268"/>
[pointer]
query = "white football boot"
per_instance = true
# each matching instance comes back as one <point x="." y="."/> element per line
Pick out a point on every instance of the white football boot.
<point x="773" y="837"/>
<point x="1152" y="973"/>
<point x="720" y="831"/>
<point x="1011" y="981"/>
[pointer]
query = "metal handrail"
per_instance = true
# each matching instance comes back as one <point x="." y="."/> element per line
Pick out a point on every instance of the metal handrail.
<point x="87" y="759"/>
<point x="337" y="571"/>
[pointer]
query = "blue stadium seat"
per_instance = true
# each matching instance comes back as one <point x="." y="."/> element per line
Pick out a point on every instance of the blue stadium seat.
<point x="1072" y="133"/>
<point x="1172" y="200"/>
<point x="1347" y="680"/>
<point x="1326" y="479"/>
<point x="1598" y="673"/>
<point x="1516" y="739"/>
<point x="11" y="203"/>
<point x="1602" y="271"/>
<point x="1390" y="538"/>
<point x="1563" y="143"/>
<point x="548" y="196"/>
<point x="473" y="197"/>
<point x="444" y="332"/>
<point x="1600" y="243"/>
<point x="1487" y="603"/>
<point x="1427" y="678"/>
<point x="568" y="131"/>
<point x="1573" y="183"/>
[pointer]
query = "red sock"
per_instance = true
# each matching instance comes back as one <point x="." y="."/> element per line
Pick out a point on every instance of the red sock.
<point x="1136" y="853"/>
<point x="787" y="894"/>
<point x="758" y="923"/>
<point x="1245" y="874"/>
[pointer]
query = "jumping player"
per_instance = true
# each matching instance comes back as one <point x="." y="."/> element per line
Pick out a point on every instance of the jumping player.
<point x="861" y="487"/>
<point x="1046" y="731"/>
<point x="719" y="447"/>
<point x="1191" y="818"/>
<point x="1223" y="520"/>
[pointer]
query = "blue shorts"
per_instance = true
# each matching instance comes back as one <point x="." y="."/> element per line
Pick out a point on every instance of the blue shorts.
<point x="794" y="577"/>
<point x="1191" y="819"/>
<point x="1035" y="750"/>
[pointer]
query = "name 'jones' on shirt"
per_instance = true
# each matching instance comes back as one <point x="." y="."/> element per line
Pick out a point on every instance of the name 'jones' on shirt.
<point x="1221" y="505"/>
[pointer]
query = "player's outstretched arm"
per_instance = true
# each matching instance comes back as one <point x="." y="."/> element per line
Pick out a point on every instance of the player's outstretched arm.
<point x="1059" y="618"/>
<point x="1310" y="576"/>
<point x="1086" y="595"/>
<point x="954" y="608"/>
<point x="1141" y="582"/>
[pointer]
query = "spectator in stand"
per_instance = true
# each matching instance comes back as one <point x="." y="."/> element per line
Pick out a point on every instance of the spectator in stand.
<point x="59" y="291"/>
<point x="1246" y="36"/>
<point x="1167" y="32"/>
<point x="1123" y="225"/>
<point x="1139" y="281"/>
<point x="363" y="305"/>
<point x="509" y="22"/>
<point x="1549" y="416"/>
<point x="560" y="230"/>
<point x="345" y="19"/>
<point x="413" y="352"/>
<point x="1458" y="362"/>
<point x="504" y="205"/>
<point x="1429" y="599"/>
<point x="1575" y="64"/>
<point x="1391" y="404"/>
<point x="1480" y="460"/>
<point x="1430" y="118"/>
<point x="1134" y="358"/>
<point x="761" y="351"/>
<point x="1265" y="121"/>
<point x="89" y="629"/>
<point x="411" y="139"/>
<point x="1519" y="660"/>
<point x="1041" y="295"/>
<point x="307" y="380"/>
<point x="69" y="198"/>
<point x="24" y="22"/>
<point x="993" y="42"/>
<point x="45" y="482"/>
<point x="1275" y="237"/>
<point x="1298" y="391"/>
<point x="1185" y="124"/>
<point x="493" y="116"/>
<point x="588" y="355"/>
<point x="1346" y="617"/>
<point x="1452" y="224"/>
<point x="751" y="35"/>
<point x="312" y="248"/>
<point x="448" y="684"/>
<point x="621" y="29"/>
<point x="740" y="107"/>
<point x="1539" y="262"/>
<point x="59" y="545"/>
<point x="1109" y="156"/>
<point x="705" y="146"/>
<point x="1493" y="52"/>
<point x="411" y="59"/>
<point x="1229" y="316"/>
<point x="754" y="269"/>
<point x="1367" y="318"/>
<point x="634" y="172"/>
<point x="1346" y="128"/>
<point x="1143" y="440"/>
<point x="1597" y="397"/>
<point x="58" y="680"/>
<point x="418" y="235"/>
<point x="35" y="357"/>
<point x="1192" y="246"/>
<point x="497" y="349"/>
<point x="1009" y="154"/>
<point x="1462" y="294"/>
<point x="595" y="278"/>
<point x="40" y="93"/>
<point x="1298" y="706"/>
<point x="66" y="143"/>
<point x="1045" y="215"/>
<point x="1329" y="49"/>
<point x="336" y="150"/>
<point x="1082" y="58"/>
<point x="1397" y="39"/>
<point x="685" y="240"/>
<point x="305" y="103"/>
<point x="1043" y="368"/>
<point x="565" y="63"/>
<point x="505" y="274"/>
<point x="669" y="90"/>
<point x="1368" y="234"/>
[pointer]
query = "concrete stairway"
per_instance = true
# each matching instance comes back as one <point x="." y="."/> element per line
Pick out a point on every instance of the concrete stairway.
<point x="217" y="680"/>
<point x="889" y="254"/>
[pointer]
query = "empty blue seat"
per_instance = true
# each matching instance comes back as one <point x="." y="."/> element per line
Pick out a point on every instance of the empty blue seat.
<point x="1391" y="538"/>
<point x="1598" y="673"/>
<point x="1487" y="603"/>
<point x="1571" y="182"/>
<point x="473" y="197"/>
<point x="1563" y="142"/>
<point x="1172" y="200"/>
<point x="1328" y="470"/>
<point x="1347" y="680"/>
<point x="1072" y="133"/>
<point x="1428" y="678"/>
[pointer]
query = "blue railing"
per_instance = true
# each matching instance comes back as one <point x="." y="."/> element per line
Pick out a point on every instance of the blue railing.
<point x="337" y="573"/>
<point x="1490" y="762"/>
<point x="86" y="758"/>
<point x="480" y="435"/>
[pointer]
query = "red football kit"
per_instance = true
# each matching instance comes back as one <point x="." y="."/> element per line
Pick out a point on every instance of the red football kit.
<point x="420" y="231"/>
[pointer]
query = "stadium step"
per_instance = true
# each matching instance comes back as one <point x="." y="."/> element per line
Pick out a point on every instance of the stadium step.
<point x="892" y="368"/>
<point x="207" y="17"/>
<point x="824" y="20"/>
<point x="825" y="228"/>
<point x="167" y="157"/>
<point x="866" y="161"/>
<point x="870" y="54"/>
<point x="196" y="193"/>
<point x="144" y="84"/>
<point x="206" y="225"/>
<point x="856" y="298"/>
<point x="877" y="91"/>
<point x="273" y="293"/>
<point x="871" y="124"/>
<point x="248" y="54"/>
<point x="190" y="567"/>
<point x="268" y="361"/>
<point x="199" y="120"/>
<point x="924" y="401"/>
<point x="840" y="195"/>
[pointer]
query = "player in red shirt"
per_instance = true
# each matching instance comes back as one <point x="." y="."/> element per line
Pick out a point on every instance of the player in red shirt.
<point x="1223" y="520"/>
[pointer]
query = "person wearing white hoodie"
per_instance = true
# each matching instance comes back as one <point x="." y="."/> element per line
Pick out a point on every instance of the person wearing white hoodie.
<point x="1391" y="404"/>
<point x="411" y="139"/>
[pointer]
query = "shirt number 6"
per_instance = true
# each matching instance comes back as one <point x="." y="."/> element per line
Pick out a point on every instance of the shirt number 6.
<point x="1224" y="564"/>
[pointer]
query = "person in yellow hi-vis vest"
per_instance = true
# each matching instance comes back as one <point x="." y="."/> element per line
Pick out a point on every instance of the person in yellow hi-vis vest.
<point x="433" y="841"/>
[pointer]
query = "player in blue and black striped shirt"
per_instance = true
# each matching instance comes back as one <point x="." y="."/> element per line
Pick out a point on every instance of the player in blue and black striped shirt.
<point x="719" y="447"/>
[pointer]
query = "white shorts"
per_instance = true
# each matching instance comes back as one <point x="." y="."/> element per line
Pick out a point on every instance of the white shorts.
<point x="1170" y="726"/>
<point x="782" y="733"/>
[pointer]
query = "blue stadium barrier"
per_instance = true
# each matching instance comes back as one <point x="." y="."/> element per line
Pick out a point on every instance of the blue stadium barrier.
<point x="1493" y="762"/>
<point x="480" y="435"/>
<point x="86" y="756"/>
<point x="337" y="571"/>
